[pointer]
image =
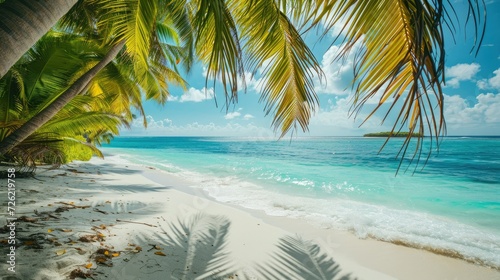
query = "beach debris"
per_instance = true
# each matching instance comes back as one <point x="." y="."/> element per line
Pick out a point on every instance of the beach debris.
<point x="137" y="249"/>
<point x="78" y="273"/>
<point x="134" y="248"/>
<point x="70" y="241"/>
<point x="100" y="211"/>
<point x="72" y="205"/>
<point x="74" y="170"/>
<point x="80" y="251"/>
<point x="104" y="256"/>
<point x="33" y="241"/>
<point x="27" y="219"/>
<point x="154" y="247"/>
<point x="62" y="209"/>
<point x="160" y="253"/>
<point x="123" y="221"/>
<point x="92" y="238"/>
<point x="45" y="215"/>
<point x="29" y="242"/>
<point x="100" y="227"/>
<point x="61" y="252"/>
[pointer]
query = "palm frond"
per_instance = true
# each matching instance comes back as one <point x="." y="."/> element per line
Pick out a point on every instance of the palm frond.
<point x="13" y="102"/>
<point x="180" y="12"/>
<point x="402" y="57"/>
<point x="56" y="61"/>
<point x="132" y="21"/>
<point x="48" y="58"/>
<point x="116" y="90"/>
<point x="218" y="46"/>
<point x="70" y="141"/>
<point x="288" y="66"/>
<point x="36" y="149"/>
<point x="81" y="19"/>
<point x="75" y="124"/>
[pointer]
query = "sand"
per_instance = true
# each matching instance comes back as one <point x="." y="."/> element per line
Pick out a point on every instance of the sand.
<point x="111" y="219"/>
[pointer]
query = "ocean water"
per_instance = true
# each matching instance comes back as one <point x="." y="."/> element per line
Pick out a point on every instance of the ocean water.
<point x="452" y="205"/>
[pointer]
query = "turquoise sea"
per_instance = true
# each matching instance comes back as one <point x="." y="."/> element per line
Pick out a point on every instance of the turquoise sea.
<point x="451" y="205"/>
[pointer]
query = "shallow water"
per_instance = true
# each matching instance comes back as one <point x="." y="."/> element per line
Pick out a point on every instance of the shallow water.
<point x="453" y="204"/>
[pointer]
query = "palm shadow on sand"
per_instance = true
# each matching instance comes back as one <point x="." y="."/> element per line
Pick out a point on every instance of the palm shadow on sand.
<point x="199" y="246"/>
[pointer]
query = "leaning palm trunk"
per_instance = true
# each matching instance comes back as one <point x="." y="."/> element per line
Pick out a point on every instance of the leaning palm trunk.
<point x="51" y="110"/>
<point x="23" y="22"/>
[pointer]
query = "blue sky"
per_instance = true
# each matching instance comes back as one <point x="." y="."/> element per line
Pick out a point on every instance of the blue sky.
<point x="472" y="99"/>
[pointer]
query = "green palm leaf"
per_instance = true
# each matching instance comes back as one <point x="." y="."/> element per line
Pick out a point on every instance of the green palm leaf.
<point x="402" y="57"/>
<point x="132" y="21"/>
<point x="217" y="44"/>
<point x="75" y="124"/>
<point x="289" y="66"/>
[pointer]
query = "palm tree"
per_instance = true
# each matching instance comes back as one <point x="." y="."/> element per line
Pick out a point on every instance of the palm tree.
<point x="46" y="71"/>
<point x="23" y="22"/>
<point x="150" y="61"/>
<point x="34" y="82"/>
<point x="402" y="55"/>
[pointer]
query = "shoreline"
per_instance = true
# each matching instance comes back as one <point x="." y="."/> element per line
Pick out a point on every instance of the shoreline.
<point x="261" y="214"/>
<point x="139" y="205"/>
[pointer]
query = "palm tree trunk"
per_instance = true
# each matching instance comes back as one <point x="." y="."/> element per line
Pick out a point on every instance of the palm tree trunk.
<point x="46" y="114"/>
<point x="23" y="22"/>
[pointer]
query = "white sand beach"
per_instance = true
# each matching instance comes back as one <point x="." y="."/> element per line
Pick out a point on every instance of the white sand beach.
<point x="110" y="219"/>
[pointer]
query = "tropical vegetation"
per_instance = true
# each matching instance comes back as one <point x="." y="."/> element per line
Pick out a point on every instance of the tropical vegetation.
<point x="391" y="134"/>
<point x="52" y="98"/>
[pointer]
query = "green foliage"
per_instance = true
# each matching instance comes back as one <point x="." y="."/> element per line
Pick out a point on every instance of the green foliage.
<point x="392" y="134"/>
<point x="75" y="149"/>
<point x="401" y="57"/>
<point x="39" y="78"/>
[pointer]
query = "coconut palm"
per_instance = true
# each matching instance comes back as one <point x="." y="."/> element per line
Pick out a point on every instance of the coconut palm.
<point x="23" y="22"/>
<point x="33" y="83"/>
<point x="402" y="55"/>
<point x="150" y="68"/>
<point x="36" y="81"/>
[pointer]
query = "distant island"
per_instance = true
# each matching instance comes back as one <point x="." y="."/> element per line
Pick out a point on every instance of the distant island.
<point x="394" y="134"/>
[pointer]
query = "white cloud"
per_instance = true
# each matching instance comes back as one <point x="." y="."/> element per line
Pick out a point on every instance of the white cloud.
<point x="166" y="127"/>
<point x="338" y="73"/>
<point x="195" y="95"/>
<point x="248" y="117"/>
<point x="461" y="72"/>
<point x="237" y="115"/>
<point x="491" y="83"/>
<point x="336" y="120"/>
<point x="173" y="98"/>
<point x="479" y="118"/>
<point x="152" y="123"/>
<point x="232" y="115"/>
